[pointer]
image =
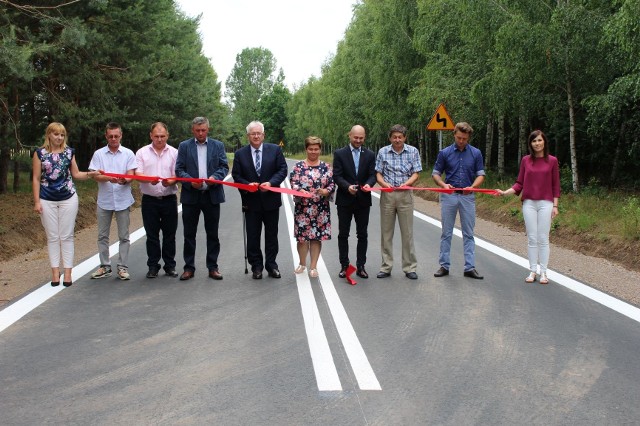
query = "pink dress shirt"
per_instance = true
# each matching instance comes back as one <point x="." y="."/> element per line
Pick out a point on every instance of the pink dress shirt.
<point x="163" y="165"/>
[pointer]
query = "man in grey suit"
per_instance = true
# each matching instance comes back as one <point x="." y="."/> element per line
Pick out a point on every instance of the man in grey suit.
<point x="354" y="172"/>
<point x="201" y="157"/>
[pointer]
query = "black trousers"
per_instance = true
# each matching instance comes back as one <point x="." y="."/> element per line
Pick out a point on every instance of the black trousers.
<point x="190" y="219"/>
<point x="255" y="221"/>
<point x="160" y="214"/>
<point x="361" y="216"/>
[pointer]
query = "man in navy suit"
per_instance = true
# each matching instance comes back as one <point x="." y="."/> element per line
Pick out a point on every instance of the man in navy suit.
<point x="354" y="172"/>
<point x="201" y="157"/>
<point x="262" y="165"/>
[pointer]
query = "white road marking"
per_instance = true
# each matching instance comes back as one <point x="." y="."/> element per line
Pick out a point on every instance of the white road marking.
<point x="360" y="365"/>
<point x="582" y="289"/>
<point x="323" y="364"/>
<point x="22" y="307"/>
<point x="355" y="353"/>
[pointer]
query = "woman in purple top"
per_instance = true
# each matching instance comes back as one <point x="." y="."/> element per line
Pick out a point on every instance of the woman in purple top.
<point x="538" y="184"/>
<point x="55" y="198"/>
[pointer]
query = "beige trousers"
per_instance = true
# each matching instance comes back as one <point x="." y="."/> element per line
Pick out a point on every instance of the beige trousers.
<point x="400" y="204"/>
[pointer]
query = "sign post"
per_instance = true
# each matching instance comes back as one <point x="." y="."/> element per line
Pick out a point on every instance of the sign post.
<point x="440" y="121"/>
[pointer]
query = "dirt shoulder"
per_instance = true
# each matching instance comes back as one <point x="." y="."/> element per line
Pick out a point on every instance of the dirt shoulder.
<point x="23" y="273"/>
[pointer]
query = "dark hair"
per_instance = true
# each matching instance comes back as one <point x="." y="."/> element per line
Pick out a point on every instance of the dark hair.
<point x="112" y="125"/>
<point x="464" y="128"/>
<point x="398" y="128"/>
<point x="545" y="149"/>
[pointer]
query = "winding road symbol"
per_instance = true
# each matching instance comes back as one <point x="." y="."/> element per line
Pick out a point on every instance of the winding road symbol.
<point x="441" y="120"/>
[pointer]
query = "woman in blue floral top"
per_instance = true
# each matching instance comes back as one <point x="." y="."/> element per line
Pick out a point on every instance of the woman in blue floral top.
<point x="55" y="198"/>
<point x="312" y="216"/>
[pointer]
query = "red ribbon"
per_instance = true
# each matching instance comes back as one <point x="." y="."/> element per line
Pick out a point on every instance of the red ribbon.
<point x="244" y="187"/>
<point x="444" y="190"/>
<point x="350" y="270"/>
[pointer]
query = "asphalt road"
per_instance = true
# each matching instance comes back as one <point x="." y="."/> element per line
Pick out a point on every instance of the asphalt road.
<point x="296" y="350"/>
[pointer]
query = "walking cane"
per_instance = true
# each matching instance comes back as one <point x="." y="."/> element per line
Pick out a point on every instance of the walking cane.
<point x="244" y="237"/>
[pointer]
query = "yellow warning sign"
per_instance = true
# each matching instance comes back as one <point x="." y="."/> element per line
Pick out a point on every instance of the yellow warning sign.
<point x="441" y="120"/>
<point x="281" y="144"/>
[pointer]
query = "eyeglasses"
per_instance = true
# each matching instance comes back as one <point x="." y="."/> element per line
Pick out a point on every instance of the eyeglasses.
<point x="255" y="134"/>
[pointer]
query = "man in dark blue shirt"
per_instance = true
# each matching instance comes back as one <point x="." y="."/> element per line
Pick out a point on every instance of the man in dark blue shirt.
<point x="463" y="167"/>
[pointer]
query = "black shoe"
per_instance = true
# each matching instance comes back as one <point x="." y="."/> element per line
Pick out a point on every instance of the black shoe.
<point x="362" y="273"/>
<point x="274" y="273"/>
<point x="383" y="274"/>
<point x="67" y="283"/>
<point x="473" y="274"/>
<point x="55" y="283"/>
<point x="343" y="271"/>
<point x="411" y="275"/>
<point x="257" y="275"/>
<point x="441" y="272"/>
<point x="153" y="273"/>
<point x="171" y="272"/>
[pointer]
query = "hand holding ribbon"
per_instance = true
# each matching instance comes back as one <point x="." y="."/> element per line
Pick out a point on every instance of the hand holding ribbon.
<point x="197" y="182"/>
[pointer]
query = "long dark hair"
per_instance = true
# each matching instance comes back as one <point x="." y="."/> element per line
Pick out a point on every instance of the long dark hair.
<point x="545" y="150"/>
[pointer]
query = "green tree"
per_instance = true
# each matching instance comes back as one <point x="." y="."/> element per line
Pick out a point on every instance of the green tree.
<point x="252" y="77"/>
<point x="272" y="112"/>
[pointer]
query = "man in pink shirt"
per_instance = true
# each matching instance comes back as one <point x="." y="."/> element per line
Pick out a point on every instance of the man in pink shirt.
<point x="159" y="201"/>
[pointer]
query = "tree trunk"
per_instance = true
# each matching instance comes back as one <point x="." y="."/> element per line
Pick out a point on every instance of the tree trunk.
<point x="501" y="145"/>
<point x="522" y="137"/>
<point x="572" y="137"/>
<point x="5" y="155"/>
<point x="489" y="146"/>
<point x="616" y="157"/>
<point x="15" y="120"/>
<point x="4" y="147"/>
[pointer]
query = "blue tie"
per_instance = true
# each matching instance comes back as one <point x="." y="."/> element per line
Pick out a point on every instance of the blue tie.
<point x="258" y="162"/>
<point x="356" y="158"/>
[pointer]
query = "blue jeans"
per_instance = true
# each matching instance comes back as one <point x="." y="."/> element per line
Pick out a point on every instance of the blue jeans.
<point x="450" y="205"/>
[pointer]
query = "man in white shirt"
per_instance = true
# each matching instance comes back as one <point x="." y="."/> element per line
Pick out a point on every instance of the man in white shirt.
<point x="159" y="201"/>
<point x="114" y="199"/>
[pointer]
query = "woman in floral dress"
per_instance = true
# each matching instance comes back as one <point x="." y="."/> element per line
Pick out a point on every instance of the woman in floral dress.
<point x="55" y="198"/>
<point x="312" y="216"/>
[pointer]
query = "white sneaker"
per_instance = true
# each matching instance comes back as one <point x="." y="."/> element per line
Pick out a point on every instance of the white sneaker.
<point x="123" y="274"/>
<point x="101" y="272"/>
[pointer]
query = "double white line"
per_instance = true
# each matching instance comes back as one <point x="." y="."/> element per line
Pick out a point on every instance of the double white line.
<point x="323" y="364"/>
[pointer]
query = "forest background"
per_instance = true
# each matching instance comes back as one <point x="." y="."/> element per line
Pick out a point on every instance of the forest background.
<point x="568" y="67"/>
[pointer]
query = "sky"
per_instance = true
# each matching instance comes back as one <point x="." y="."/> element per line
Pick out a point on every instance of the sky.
<point x="301" y="34"/>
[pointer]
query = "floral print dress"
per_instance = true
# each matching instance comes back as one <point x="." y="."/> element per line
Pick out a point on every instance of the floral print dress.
<point x="312" y="216"/>
<point x="55" y="181"/>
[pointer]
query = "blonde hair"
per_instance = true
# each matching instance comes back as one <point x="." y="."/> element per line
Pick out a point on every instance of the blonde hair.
<point x="312" y="140"/>
<point x="51" y="128"/>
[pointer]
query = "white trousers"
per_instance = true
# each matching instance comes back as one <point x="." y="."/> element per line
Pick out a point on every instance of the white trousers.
<point x="537" y="220"/>
<point x="59" y="221"/>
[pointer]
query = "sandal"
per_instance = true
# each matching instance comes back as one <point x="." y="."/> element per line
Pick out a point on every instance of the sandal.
<point x="531" y="278"/>
<point x="543" y="278"/>
<point x="300" y="269"/>
<point x="313" y="273"/>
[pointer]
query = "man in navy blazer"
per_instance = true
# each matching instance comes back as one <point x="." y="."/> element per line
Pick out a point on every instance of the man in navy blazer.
<point x="263" y="165"/>
<point x="201" y="157"/>
<point x="353" y="200"/>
